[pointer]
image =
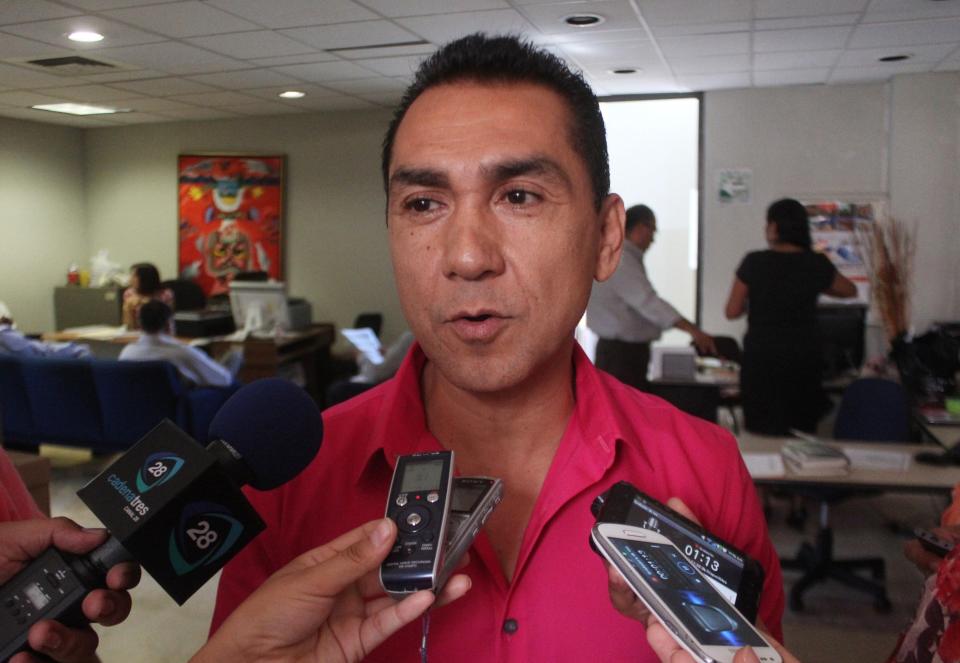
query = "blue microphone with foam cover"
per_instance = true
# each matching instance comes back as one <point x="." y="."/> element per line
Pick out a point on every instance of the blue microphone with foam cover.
<point x="172" y="506"/>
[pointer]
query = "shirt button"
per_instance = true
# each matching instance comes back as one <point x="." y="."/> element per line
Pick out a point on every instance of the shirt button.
<point x="510" y="626"/>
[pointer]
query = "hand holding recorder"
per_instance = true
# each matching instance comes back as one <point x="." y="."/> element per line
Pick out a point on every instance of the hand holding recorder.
<point x="318" y="609"/>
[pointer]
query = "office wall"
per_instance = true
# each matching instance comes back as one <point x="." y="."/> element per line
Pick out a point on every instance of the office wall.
<point x="42" y="220"/>
<point x="335" y="246"/>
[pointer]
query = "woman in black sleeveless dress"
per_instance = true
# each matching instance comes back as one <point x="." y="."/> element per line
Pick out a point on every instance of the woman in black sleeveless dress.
<point x="780" y="376"/>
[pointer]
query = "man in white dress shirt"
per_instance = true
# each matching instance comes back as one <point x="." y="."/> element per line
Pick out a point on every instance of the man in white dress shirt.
<point x="626" y="312"/>
<point x="193" y="364"/>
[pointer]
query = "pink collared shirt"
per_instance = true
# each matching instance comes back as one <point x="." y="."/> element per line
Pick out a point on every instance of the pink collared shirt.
<point x="15" y="501"/>
<point x="556" y="608"/>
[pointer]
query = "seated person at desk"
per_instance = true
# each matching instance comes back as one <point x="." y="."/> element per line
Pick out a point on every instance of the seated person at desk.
<point x="370" y="374"/>
<point x="193" y="364"/>
<point x="15" y="342"/>
<point x="144" y="287"/>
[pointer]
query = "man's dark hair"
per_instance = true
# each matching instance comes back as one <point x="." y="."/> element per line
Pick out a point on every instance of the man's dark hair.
<point x="638" y="214"/>
<point x="793" y="225"/>
<point x="507" y="59"/>
<point x="154" y="316"/>
<point x="148" y="278"/>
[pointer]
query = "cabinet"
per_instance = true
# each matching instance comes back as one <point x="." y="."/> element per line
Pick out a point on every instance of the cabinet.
<point x="76" y="307"/>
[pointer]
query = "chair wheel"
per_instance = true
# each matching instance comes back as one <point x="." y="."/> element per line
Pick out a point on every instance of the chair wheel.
<point x="882" y="604"/>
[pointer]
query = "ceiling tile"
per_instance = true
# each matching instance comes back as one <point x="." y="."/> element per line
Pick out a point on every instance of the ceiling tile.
<point x="699" y="29"/>
<point x="174" y="57"/>
<point x="791" y="77"/>
<point x="731" y="43"/>
<point x="785" y="8"/>
<point x="26" y="99"/>
<point x="795" y="60"/>
<point x="55" y="32"/>
<point x="899" y="10"/>
<point x="617" y="15"/>
<point x="321" y="72"/>
<point x="860" y="74"/>
<point x="316" y="56"/>
<point x="369" y="85"/>
<point x="312" y="91"/>
<point x="89" y="93"/>
<point x="198" y="114"/>
<point x="120" y="76"/>
<point x="799" y="40"/>
<point x="677" y="12"/>
<point x="443" y="28"/>
<point x="132" y="117"/>
<point x="821" y="21"/>
<point x="613" y="53"/>
<point x="712" y="65"/>
<point x="163" y="87"/>
<point x="388" y="99"/>
<point x="295" y="13"/>
<point x="182" y="19"/>
<point x="21" y="77"/>
<point x="405" y="66"/>
<point x="219" y="99"/>
<point x="21" y="11"/>
<point x="246" y="45"/>
<point x="932" y="53"/>
<point x="47" y="117"/>
<point x="395" y="8"/>
<point x="591" y="37"/>
<point x="337" y="103"/>
<point x="345" y="35"/>
<point x="17" y="47"/>
<point x="152" y="105"/>
<point x="948" y="65"/>
<point x="264" y="108"/>
<point x="98" y="5"/>
<point x="385" y="51"/>
<point x="714" y="81"/>
<point x="249" y="78"/>
<point x="906" y="33"/>
<point x="624" y="86"/>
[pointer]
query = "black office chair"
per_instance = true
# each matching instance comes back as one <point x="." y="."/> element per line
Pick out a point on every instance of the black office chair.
<point x="729" y="349"/>
<point x="187" y="294"/>
<point x="372" y="320"/>
<point x="871" y="410"/>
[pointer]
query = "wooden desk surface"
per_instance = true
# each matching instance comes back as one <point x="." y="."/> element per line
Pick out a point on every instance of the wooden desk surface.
<point x="917" y="478"/>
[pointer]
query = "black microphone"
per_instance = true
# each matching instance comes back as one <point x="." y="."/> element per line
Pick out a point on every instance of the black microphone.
<point x="172" y="506"/>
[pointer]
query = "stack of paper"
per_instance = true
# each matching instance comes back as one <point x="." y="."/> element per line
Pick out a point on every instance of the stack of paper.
<point x="814" y="458"/>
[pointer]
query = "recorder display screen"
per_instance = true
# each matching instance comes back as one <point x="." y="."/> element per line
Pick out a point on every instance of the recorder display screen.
<point x="465" y="498"/>
<point x="710" y="619"/>
<point x="425" y="475"/>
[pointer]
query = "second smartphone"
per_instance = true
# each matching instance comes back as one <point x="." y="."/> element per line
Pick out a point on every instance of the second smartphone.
<point x="700" y="619"/>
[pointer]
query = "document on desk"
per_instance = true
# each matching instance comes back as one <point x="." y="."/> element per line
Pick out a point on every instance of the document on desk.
<point x="97" y="332"/>
<point x="764" y="465"/>
<point x="877" y="459"/>
<point x="366" y="341"/>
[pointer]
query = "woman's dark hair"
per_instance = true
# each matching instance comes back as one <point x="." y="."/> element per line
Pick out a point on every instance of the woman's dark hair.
<point x="793" y="225"/>
<point x="507" y="59"/>
<point x="148" y="278"/>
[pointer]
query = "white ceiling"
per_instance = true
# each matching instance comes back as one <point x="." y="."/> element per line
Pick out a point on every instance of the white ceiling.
<point x="207" y="59"/>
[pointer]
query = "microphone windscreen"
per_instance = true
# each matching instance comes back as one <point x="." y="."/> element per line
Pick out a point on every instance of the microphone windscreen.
<point x="274" y="425"/>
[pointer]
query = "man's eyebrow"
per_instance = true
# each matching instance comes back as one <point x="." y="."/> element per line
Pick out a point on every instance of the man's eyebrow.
<point x="536" y="165"/>
<point x="418" y="177"/>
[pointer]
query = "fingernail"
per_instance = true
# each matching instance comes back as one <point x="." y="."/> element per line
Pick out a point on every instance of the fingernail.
<point x="52" y="642"/>
<point x="380" y="533"/>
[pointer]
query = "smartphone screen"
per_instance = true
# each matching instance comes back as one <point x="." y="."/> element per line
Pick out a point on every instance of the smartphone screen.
<point x="694" y="601"/>
<point x="716" y="561"/>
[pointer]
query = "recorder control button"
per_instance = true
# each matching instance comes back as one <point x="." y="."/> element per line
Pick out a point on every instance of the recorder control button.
<point x="433" y="497"/>
<point x="427" y="537"/>
<point x="414" y="519"/>
<point x="402" y="499"/>
<point x="510" y="626"/>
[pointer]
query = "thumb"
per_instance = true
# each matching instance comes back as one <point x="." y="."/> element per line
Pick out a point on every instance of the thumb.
<point x="335" y="574"/>
<point x="746" y="655"/>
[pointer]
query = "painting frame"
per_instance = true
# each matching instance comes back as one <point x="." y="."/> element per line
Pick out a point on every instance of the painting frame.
<point x="230" y="217"/>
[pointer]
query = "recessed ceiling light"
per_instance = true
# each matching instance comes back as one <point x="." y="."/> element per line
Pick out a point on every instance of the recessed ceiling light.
<point x="625" y="70"/>
<point x="85" y="36"/>
<point x="894" y="58"/>
<point x="80" y="109"/>
<point x="292" y="94"/>
<point x="583" y="20"/>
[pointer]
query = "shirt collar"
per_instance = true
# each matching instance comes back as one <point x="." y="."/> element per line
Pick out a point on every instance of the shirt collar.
<point x="400" y="426"/>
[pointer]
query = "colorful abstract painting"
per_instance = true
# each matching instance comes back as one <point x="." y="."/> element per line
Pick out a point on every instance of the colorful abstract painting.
<point x="230" y="218"/>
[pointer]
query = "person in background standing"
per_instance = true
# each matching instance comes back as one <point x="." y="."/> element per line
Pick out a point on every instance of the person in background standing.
<point x="144" y="286"/>
<point x="780" y="376"/>
<point x="628" y="314"/>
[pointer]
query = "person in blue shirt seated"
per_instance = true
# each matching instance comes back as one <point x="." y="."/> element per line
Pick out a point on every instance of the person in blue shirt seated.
<point x="15" y="342"/>
<point x="193" y="364"/>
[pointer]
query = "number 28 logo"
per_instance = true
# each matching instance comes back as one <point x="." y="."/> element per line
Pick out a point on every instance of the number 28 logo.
<point x="205" y="533"/>
<point x="158" y="469"/>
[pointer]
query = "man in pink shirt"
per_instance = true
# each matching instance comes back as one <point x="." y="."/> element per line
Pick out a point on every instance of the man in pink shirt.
<point x="499" y="219"/>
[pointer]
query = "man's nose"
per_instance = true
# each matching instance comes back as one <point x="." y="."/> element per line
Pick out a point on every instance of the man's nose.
<point x="472" y="247"/>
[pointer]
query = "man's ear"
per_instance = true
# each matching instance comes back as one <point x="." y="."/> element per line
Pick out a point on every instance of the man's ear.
<point x="611" y="218"/>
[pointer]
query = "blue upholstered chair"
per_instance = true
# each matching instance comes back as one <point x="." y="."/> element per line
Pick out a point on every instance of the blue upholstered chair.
<point x="135" y="397"/>
<point x="873" y="410"/>
<point x="16" y="417"/>
<point x="64" y="403"/>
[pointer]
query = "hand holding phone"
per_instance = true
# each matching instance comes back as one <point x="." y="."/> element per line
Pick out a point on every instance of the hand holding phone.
<point x="700" y="619"/>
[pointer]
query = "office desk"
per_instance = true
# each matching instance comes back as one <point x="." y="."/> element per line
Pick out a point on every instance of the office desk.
<point x="945" y="433"/>
<point x="917" y="478"/>
<point x="701" y="395"/>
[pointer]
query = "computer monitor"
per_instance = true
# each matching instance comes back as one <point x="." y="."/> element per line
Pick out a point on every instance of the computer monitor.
<point x="842" y="331"/>
<point x="260" y="307"/>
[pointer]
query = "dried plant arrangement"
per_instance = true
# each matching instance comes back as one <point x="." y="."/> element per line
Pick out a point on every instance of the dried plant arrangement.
<point x="889" y="262"/>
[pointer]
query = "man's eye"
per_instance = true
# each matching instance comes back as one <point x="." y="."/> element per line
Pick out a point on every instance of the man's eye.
<point x="419" y="205"/>
<point x="519" y="197"/>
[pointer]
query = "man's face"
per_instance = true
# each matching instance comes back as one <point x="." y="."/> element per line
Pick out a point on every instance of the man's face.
<point x="643" y="234"/>
<point x="494" y="237"/>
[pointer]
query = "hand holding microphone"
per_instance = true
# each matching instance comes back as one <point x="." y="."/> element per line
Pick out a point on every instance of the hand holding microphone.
<point x="21" y="542"/>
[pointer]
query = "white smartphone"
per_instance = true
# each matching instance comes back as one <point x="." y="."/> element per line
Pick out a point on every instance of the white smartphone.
<point x="701" y="620"/>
